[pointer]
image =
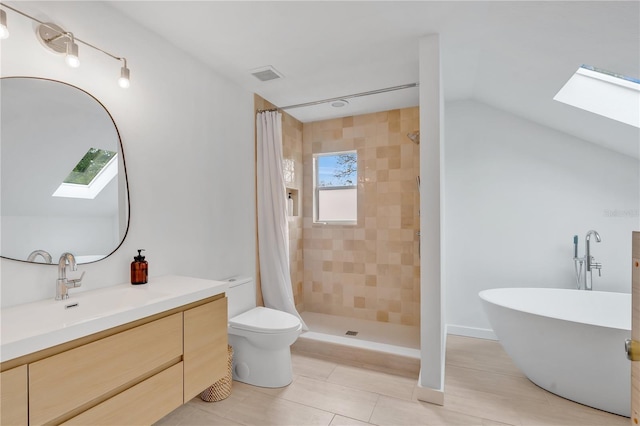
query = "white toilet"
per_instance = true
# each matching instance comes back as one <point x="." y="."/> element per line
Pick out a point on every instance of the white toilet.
<point x="260" y="337"/>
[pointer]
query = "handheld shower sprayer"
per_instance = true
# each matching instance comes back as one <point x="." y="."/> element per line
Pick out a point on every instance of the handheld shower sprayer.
<point x="577" y="263"/>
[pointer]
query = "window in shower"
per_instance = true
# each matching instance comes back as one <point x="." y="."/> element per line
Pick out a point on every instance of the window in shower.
<point x="335" y="187"/>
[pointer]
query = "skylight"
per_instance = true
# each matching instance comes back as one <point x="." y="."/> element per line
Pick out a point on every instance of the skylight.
<point x="89" y="177"/>
<point x="604" y="93"/>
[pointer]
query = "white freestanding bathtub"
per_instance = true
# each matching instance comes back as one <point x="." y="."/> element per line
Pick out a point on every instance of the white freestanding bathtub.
<point x="569" y="342"/>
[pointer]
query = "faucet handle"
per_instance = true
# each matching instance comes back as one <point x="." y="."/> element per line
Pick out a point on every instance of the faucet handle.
<point x="598" y="266"/>
<point x="77" y="281"/>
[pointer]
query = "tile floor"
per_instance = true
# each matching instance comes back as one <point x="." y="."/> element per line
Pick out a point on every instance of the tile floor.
<point x="482" y="387"/>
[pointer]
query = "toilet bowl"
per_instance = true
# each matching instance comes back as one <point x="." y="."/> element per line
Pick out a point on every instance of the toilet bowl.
<point x="261" y="338"/>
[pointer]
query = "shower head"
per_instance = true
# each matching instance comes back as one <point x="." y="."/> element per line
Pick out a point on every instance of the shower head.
<point x="415" y="137"/>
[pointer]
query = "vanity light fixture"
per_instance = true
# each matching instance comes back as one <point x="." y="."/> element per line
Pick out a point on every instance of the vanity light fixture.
<point x="59" y="41"/>
<point x="62" y="42"/>
<point x="71" y="55"/>
<point x="4" y="31"/>
<point x="123" y="81"/>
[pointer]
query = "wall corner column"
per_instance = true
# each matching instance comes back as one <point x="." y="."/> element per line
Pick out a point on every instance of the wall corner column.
<point x="432" y="329"/>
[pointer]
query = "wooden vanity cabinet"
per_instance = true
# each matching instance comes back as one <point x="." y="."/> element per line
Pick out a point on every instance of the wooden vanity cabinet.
<point x="143" y="404"/>
<point x="13" y="396"/>
<point x="205" y="347"/>
<point x="75" y="379"/>
<point x="132" y="374"/>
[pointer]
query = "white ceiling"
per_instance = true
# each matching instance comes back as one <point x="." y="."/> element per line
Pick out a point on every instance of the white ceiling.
<point x="511" y="55"/>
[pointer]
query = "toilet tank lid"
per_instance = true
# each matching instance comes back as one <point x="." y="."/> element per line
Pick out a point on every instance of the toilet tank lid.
<point x="238" y="280"/>
<point x="265" y="320"/>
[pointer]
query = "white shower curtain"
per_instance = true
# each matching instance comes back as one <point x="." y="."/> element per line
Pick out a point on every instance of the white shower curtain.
<point x="273" y="230"/>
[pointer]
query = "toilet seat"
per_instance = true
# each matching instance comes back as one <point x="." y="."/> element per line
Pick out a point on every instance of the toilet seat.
<point x="266" y="321"/>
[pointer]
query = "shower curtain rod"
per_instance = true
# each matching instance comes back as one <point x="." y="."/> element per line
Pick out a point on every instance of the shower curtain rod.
<point x="355" y="95"/>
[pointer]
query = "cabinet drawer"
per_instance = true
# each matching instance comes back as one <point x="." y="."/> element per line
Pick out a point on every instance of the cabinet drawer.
<point x="143" y="404"/>
<point x="13" y="396"/>
<point x="79" y="378"/>
<point x="205" y="346"/>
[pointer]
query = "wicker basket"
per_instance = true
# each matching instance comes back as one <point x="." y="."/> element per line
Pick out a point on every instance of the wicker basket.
<point x="222" y="388"/>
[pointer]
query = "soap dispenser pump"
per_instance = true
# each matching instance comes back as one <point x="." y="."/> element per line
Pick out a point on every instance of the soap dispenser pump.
<point x="139" y="269"/>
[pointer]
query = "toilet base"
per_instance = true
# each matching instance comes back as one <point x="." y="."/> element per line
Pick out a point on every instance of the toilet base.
<point x="268" y="368"/>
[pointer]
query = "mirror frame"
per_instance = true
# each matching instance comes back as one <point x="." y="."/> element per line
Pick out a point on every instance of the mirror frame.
<point x="124" y="167"/>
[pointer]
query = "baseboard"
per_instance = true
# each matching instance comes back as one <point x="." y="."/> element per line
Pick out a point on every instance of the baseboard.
<point x="479" y="333"/>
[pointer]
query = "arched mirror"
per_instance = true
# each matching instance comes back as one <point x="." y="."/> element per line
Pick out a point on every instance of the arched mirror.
<point x="63" y="178"/>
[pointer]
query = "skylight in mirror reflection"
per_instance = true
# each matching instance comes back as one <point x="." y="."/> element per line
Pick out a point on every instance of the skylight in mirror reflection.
<point x="89" y="177"/>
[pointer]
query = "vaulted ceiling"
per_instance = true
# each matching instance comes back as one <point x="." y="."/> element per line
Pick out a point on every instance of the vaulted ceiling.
<point x="511" y="55"/>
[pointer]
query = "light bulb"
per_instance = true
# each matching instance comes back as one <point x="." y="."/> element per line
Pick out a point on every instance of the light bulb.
<point x="71" y="57"/>
<point x="124" y="81"/>
<point x="72" y="61"/>
<point x="4" y="31"/>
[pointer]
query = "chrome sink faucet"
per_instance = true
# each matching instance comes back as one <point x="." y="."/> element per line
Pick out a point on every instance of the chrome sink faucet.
<point x="45" y="255"/>
<point x="584" y="277"/>
<point x="62" y="283"/>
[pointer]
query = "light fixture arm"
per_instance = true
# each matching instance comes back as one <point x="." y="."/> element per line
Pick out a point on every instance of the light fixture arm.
<point x="58" y="37"/>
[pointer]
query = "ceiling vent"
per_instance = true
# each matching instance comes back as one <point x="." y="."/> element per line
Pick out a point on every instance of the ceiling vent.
<point x="266" y="73"/>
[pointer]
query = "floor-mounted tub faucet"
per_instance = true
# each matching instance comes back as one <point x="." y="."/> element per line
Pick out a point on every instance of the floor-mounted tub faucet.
<point x="62" y="283"/>
<point x="584" y="278"/>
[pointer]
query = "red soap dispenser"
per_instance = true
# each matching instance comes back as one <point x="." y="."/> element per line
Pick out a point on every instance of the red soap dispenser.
<point x="139" y="269"/>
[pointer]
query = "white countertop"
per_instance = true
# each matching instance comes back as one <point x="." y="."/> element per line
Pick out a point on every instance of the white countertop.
<point x="39" y="325"/>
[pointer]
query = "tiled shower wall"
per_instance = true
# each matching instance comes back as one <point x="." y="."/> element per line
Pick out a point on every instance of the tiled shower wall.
<point x="292" y="155"/>
<point x="369" y="270"/>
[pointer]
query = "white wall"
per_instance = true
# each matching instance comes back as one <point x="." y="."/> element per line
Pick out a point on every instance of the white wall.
<point x="517" y="193"/>
<point x="188" y="143"/>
